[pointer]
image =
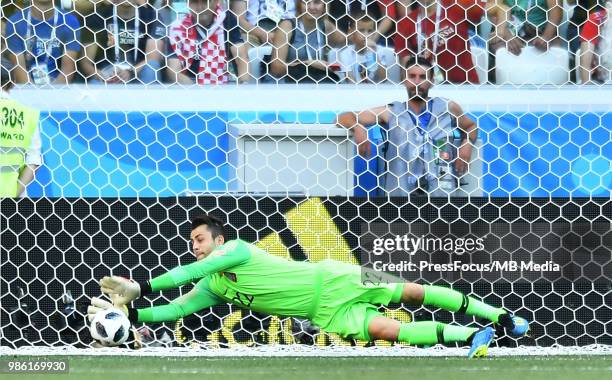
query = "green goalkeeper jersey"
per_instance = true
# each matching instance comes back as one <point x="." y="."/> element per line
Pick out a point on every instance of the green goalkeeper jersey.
<point x="242" y="274"/>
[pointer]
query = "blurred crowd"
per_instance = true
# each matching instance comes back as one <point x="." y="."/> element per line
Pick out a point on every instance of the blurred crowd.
<point x="287" y="41"/>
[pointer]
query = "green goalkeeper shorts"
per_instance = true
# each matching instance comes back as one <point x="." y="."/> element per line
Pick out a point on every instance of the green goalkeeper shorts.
<point x="346" y="304"/>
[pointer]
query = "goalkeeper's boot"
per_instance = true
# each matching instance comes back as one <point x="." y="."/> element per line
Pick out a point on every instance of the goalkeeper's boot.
<point x="480" y="342"/>
<point x="515" y="326"/>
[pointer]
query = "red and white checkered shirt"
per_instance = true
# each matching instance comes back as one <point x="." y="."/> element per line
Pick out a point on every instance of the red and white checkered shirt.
<point x="190" y="42"/>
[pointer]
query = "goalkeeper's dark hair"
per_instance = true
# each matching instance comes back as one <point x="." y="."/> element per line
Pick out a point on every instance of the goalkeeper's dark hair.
<point x="214" y="224"/>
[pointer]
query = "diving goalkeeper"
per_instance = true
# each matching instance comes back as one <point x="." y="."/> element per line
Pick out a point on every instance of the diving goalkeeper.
<point x="330" y="294"/>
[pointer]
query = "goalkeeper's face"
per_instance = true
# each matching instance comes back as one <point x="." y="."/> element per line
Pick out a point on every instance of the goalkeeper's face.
<point x="203" y="243"/>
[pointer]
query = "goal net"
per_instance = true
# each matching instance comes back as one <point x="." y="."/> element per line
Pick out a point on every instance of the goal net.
<point x="152" y="112"/>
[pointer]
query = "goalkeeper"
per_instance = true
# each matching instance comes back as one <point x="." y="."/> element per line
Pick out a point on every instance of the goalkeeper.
<point x="329" y="293"/>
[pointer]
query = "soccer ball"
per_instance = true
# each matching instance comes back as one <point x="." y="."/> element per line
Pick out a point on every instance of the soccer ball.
<point x="110" y="327"/>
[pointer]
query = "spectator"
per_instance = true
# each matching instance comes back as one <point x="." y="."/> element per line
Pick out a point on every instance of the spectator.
<point x="200" y="54"/>
<point x="391" y="12"/>
<point x="93" y="39"/>
<point x="341" y="10"/>
<point x="7" y="9"/>
<point x="580" y="15"/>
<point x="396" y="9"/>
<point x="298" y="53"/>
<point x="168" y="10"/>
<point x="422" y="153"/>
<point x="10" y="7"/>
<point x="533" y="22"/>
<point x="125" y="44"/>
<point x="362" y="60"/>
<point x="386" y="13"/>
<point x="438" y="31"/>
<point x="43" y="43"/>
<point x="596" y="47"/>
<point x="258" y="18"/>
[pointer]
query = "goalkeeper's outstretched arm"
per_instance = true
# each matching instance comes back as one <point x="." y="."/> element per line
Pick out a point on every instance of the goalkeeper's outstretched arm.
<point x="222" y="258"/>
<point x="200" y="297"/>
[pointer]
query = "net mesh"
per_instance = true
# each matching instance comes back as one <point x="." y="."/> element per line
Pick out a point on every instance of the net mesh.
<point x="60" y="247"/>
<point x="336" y="41"/>
<point x="124" y="166"/>
<point x="306" y="351"/>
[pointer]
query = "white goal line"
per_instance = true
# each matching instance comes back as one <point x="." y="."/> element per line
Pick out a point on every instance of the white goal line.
<point x="308" y="351"/>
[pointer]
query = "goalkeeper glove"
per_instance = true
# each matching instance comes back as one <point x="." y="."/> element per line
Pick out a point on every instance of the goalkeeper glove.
<point x="98" y="304"/>
<point x="121" y="290"/>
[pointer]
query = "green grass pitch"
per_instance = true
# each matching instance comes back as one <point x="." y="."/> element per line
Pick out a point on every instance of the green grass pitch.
<point x="331" y="368"/>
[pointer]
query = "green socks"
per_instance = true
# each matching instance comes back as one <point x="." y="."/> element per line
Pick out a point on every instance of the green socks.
<point x="430" y="333"/>
<point x="452" y="300"/>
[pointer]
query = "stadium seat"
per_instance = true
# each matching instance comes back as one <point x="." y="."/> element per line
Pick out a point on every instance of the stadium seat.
<point x="532" y="66"/>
